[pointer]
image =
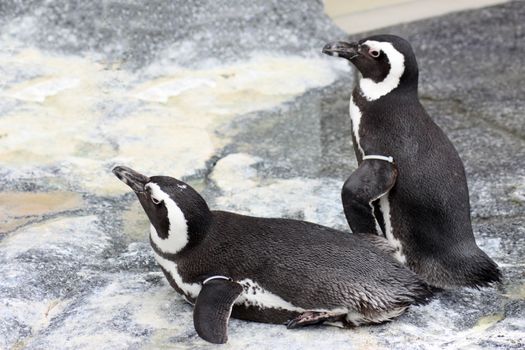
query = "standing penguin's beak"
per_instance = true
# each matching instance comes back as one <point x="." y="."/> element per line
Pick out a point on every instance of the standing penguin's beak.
<point x="130" y="177"/>
<point x="342" y="49"/>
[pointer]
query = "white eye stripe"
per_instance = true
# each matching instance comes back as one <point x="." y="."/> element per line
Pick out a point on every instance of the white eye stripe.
<point x="151" y="194"/>
<point x="178" y="229"/>
<point x="372" y="90"/>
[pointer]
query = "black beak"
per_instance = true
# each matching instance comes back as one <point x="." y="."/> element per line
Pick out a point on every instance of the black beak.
<point x="131" y="178"/>
<point x="342" y="49"/>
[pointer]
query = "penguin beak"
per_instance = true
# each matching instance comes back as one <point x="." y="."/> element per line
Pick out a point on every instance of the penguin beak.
<point x="132" y="178"/>
<point x="342" y="49"/>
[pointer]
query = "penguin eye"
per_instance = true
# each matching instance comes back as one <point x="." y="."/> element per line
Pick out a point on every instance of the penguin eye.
<point x="153" y="199"/>
<point x="374" y="53"/>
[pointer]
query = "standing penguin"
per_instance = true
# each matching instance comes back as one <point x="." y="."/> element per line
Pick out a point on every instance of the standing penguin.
<point x="410" y="185"/>
<point x="267" y="270"/>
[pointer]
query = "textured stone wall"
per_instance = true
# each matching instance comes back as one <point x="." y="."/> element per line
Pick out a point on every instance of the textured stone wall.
<point x="235" y="98"/>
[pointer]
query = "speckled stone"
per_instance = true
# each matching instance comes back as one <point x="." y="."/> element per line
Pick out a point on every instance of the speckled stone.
<point x="185" y="33"/>
<point x="236" y="99"/>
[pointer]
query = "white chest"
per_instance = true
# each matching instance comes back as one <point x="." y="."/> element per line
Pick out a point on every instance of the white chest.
<point x="253" y="294"/>
<point x="355" y="116"/>
<point x="384" y="205"/>
<point x="190" y="289"/>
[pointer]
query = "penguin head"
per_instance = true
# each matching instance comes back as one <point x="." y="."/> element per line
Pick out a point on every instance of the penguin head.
<point x="179" y="216"/>
<point x="385" y="62"/>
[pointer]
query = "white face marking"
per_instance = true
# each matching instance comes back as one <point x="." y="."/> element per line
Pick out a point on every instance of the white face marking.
<point x="384" y="204"/>
<point x="178" y="228"/>
<point x="190" y="289"/>
<point x="372" y="90"/>
<point x="355" y="115"/>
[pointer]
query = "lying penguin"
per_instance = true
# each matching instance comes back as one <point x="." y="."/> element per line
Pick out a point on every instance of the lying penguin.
<point x="267" y="270"/>
<point x="410" y="185"/>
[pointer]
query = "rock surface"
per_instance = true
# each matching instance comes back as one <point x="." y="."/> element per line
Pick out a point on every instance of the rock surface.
<point x="237" y="100"/>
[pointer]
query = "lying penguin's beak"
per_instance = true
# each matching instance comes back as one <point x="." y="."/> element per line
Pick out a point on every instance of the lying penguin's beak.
<point x="130" y="177"/>
<point x="342" y="49"/>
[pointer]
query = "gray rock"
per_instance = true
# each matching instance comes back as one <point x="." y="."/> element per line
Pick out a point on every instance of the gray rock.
<point x="92" y="84"/>
<point x="183" y="32"/>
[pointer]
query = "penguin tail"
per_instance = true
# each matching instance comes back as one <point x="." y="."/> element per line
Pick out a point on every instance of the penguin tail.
<point x="482" y="272"/>
<point x="421" y="293"/>
<point x="406" y="292"/>
<point x="414" y="291"/>
<point x="474" y="269"/>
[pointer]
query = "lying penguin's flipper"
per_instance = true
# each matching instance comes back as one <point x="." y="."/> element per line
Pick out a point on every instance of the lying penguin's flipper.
<point x="315" y="317"/>
<point x="213" y="308"/>
<point x="371" y="180"/>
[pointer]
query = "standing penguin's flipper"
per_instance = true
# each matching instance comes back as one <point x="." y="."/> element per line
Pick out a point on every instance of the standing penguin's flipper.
<point x="315" y="317"/>
<point x="373" y="178"/>
<point x="213" y="309"/>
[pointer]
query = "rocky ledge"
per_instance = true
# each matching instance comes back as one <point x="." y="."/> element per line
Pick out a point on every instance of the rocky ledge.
<point x="238" y="101"/>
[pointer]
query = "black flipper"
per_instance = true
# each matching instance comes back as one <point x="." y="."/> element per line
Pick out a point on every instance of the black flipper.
<point x="213" y="308"/>
<point x="371" y="180"/>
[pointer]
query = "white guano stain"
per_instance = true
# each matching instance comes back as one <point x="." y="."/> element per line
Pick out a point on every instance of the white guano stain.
<point x="182" y="107"/>
<point x="162" y="91"/>
<point x="235" y="172"/>
<point x="39" y="89"/>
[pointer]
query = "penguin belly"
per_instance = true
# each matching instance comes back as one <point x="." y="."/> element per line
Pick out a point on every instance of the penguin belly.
<point x="254" y="304"/>
<point x="383" y="220"/>
<point x="384" y="207"/>
<point x="261" y="305"/>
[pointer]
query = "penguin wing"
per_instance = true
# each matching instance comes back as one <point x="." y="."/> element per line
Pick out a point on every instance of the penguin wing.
<point x="213" y="308"/>
<point x="371" y="180"/>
